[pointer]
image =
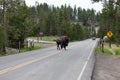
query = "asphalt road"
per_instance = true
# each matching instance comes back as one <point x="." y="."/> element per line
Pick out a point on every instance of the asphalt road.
<point x="76" y="63"/>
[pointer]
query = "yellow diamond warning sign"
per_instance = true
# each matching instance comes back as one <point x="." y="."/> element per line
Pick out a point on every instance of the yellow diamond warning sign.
<point x="109" y="34"/>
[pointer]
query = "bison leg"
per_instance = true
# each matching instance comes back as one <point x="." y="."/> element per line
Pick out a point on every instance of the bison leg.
<point x="65" y="47"/>
<point x="61" y="46"/>
<point x="58" y="47"/>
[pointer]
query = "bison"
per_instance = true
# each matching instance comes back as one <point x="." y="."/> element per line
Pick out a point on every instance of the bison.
<point x="62" y="42"/>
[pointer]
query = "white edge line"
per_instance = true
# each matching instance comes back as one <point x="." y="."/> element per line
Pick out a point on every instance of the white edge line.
<point x="85" y="64"/>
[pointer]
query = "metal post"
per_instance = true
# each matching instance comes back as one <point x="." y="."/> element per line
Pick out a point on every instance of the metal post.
<point x="109" y="43"/>
<point x="102" y="45"/>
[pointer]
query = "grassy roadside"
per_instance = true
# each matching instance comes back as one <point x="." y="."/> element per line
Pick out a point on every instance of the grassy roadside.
<point x="45" y="38"/>
<point x="21" y="50"/>
<point x="36" y="45"/>
<point x="106" y="51"/>
<point x="109" y="51"/>
<point x="117" y="51"/>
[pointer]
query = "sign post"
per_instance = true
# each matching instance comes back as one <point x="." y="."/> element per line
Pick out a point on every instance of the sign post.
<point x="109" y="34"/>
<point x="41" y="34"/>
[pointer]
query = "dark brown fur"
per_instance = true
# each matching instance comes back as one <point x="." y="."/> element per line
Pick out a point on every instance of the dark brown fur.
<point x="62" y="42"/>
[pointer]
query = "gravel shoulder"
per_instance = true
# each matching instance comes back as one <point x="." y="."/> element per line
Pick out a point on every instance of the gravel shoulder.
<point x="106" y="67"/>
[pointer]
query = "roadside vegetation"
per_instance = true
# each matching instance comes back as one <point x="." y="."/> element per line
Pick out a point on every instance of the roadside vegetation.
<point x="31" y="48"/>
<point x="44" y="38"/>
<point x="114" y="50"/>
<point x="18" y="51"/>
<point x="117" y="51"/>
<point x="106" y="51"/>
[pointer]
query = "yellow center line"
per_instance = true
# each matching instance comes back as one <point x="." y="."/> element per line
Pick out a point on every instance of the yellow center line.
<point x="24" y="64"/>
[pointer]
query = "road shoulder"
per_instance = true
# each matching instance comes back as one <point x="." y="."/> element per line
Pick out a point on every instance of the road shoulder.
<point x="106" y="67"/>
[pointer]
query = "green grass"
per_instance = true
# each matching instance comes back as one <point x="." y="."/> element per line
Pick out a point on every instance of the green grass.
<point x="45" y="38"/>
<point x="106" y="51"/>
<point x="98" y="49"/>
<point x="117" y="51"/>
<point x="30" y="49"/>
<point x="22" y="50"/>
<point x="115" y="48"/>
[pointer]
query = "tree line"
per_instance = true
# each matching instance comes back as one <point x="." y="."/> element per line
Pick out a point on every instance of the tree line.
<point x="18" y="21"/>
<point x="110" y="20"/>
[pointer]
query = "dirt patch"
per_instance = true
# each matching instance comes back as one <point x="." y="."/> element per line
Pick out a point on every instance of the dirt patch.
<point x="106" y="67"/>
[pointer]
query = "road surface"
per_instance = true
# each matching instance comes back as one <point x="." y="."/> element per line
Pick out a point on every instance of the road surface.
<point x="76" y="63"/>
